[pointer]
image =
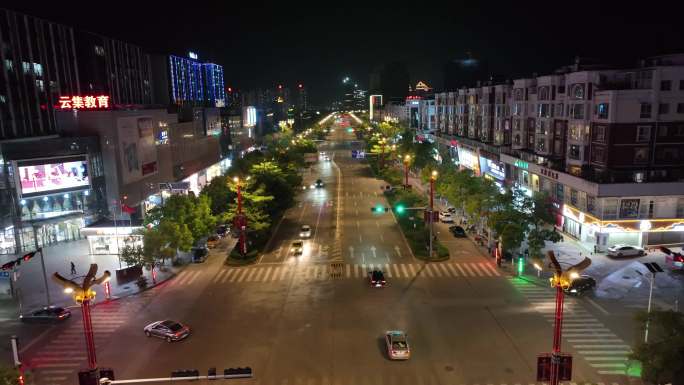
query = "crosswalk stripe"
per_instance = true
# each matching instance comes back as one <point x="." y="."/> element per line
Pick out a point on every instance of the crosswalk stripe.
<point x="611" y="372"/>
<point x="283" y="272"/>
<point x="181" y="277"/>
<point x="607" y="352"/>
<point x="60" y="365"/>
<point x="453" y="271"/>
<point x="413" y="271"/>
<point x="397" y="273"/>
<point x="444" y="269"/>
<point x="388" y="271"/>
<point x="436" y="270"/>
<point x="614" y="365"/>
<point x="492" y="269"/>
<point x="356" y="270"/>
<point x="194" y="277"/>
<point x="267" y="274"/>
<point x="601" y="346"/>
<point x="458" y="266"/>
<point x="257" y="274"/>
<point x="219" y="275"/>
<point x="617" y="358"/>
<point x="477" y="269"/>
<point x="470" y="272"/>
<point x="588" y="334"/>
<point x="607" y="340"/>
<point x="228" y="274"/>
<point x="242" y="275"/>
<point x="348" y="270"/>
<point x="403" y="268"/>
<point x="427" y="271"/>
<point x="250" y="274"/>
<point x="276" y="272"/>
<point x="484" y="269"/>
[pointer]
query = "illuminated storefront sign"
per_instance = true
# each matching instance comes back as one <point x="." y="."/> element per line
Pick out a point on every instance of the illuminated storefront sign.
<point x="84" y="102"/>
<point x="469" y="160"/>
<point x="629" y="225"/>
<point x="492" y="168"/>
<point x="520" y="164"/>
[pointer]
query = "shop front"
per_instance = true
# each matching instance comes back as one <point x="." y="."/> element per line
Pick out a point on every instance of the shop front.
<point x="469" y="159"/>
<point x="110" y="237"/>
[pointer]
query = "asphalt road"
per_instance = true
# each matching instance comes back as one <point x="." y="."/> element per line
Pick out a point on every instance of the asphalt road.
<point x="309" y="321"/>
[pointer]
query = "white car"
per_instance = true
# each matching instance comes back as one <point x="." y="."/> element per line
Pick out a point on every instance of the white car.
<point x="297" y="248"/>
<point x="620" y="250"/>
<point x="305" y="231"/>
<point x="397" y="345"/>
<point x="445" y="216"/>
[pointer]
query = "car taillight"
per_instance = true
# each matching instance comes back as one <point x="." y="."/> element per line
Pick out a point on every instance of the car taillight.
<point x="678" y="258"/>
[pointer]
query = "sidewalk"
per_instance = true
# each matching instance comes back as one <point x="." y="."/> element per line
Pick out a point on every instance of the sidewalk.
<point x="29" y="285"/>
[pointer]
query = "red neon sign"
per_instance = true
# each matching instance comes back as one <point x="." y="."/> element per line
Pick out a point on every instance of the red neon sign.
<point x="85" y="102"/>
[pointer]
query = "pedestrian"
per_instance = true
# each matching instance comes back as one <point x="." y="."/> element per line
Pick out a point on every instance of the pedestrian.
<point x="73" y="269"/>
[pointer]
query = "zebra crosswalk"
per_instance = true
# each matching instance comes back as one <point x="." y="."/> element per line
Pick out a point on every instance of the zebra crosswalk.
<point x="57" y="361"/>
<point x="338" y="271"/>
<point x="598" y="345"/>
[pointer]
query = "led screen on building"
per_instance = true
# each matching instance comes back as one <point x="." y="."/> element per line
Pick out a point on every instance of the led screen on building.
<point x="41" y="176"/>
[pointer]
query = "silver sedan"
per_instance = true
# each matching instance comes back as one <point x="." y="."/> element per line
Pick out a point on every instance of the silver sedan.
<point x="168" y="330"/>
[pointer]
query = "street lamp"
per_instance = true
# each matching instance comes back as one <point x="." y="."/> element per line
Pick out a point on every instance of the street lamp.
<point x="561" y="280"/>
<point x="407" y="162"/>
<point x="433" y="177"/>
<point x="83" y="295"/>
<point x="241" y="220"/>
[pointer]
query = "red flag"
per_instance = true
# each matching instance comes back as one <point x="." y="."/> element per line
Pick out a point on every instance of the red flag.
<point x="127" y="209"/>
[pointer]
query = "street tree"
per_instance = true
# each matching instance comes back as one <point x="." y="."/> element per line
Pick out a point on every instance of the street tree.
<point x="10" y="376"/>
<point x="271" y="178"/>
<point x="662" y="357"/>
<point x="219" y="193"/>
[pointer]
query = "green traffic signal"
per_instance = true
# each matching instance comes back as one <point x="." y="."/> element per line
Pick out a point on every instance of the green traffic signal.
<point x="400" y="209"/>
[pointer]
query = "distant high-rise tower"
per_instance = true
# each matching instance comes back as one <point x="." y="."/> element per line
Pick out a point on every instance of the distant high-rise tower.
<point x="216" y="93"/>
<point x="302" y="98"/>
<point x="187" y="81"/>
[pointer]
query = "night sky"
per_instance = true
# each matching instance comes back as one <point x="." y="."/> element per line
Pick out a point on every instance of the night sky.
<point x="267" y="44"/>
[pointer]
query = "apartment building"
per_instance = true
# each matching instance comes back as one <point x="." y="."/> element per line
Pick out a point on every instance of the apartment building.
<point x="606" y="144"/>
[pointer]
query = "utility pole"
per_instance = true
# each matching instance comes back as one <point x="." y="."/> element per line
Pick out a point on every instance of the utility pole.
<point x="653" y="268"/>
<point x="42" y="265"/>
<point x="407" y="160"/>
<point x="433" y="177"/>
<point x="241" y="220"/>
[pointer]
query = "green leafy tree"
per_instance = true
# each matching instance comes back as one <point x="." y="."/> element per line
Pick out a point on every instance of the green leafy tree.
<point x="662" y="357"/>
<point x="271" y="178"/>
<point x="219" y="194"/>
<point x="132" y="255"/>
<point x="10" y="376"/>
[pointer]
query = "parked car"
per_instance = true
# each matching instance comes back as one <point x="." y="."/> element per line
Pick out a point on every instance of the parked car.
<point x="445" y="216"/>
<point x="457" y="231"/>
<point x="212" y="241"/>
<point x="305" y="231"/>
<point x="620" y="250"/>
<point x="319" y="183"/>
<point x="199" y="254"/>
<point x="168" y="330"/>
<point x="47" y="314"/>
<point x="581" y="285"/>
<point x="222" y="230"/>
<point x="451" y="210"/>
<point x="397" y="345"/>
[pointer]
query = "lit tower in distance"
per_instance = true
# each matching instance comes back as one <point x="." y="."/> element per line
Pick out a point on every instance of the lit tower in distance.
<point x="302" y="98"/>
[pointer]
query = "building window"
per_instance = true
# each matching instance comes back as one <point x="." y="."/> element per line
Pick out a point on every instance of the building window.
<point x="38" y="69"/>
<point x="641" y="155"/>
<point x="591" y="204"/>
<point x="679" y="130"/>
<point x="598" y="155"/>
<point x="667" y="154"/>
<point x="643" y="134"/>
<point x="610" y="208"/>
<point x="544" y="93"/>
<point x="662" y="131"/>
<point x="573" y="197"/>
<point x="663" y="108"/>
<point x="680" y="108"/>
<point x="575" y="152"/>
<point x="645" y="110"/>
<point x="599" y="133"/>
<point x="559" y="109"/>
<point x="560" y="194"/>
<point x="665" y="85"/>
<point x="578" y="91"/>
<point x="99" y="50"/>
<point x="603" y="111"/>
<point x="26" y="66"/>
<point x="577" y="111"/>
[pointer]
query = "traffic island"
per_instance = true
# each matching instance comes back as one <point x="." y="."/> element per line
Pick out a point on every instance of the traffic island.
<point x="404" y="204"/>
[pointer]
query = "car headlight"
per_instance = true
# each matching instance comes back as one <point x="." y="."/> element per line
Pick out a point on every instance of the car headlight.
<point x="573" y="291"/>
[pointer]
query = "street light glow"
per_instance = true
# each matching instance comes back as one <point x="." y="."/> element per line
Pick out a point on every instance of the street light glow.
<point x="537" y="266"/>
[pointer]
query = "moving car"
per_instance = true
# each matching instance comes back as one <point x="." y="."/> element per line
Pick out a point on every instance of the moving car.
<point x="47" y="314"/>
<point x="620" y="250"/>
<point x="457" y="231"/>
<point x="305" y="231"/>
<point x="673" y="259"/>
<point x="319" y="183"/>
<point x="376" y="278"/>
<point x="168" y="330"/>
<point x="452" y="210"/>
<point x="222" y="230"/>
<point x="326" y="158"/>
<point x="581" y="285"/>
<point x="397" y="345"/>
<point x="297" y="247"/>
<point x="212" y="241"/>
<point x="445" y="216"/>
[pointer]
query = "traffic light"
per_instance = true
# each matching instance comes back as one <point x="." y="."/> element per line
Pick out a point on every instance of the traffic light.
<point x="238" y="372"/>
<point x="521" y="265"/>
<point x="400" y="209"/>
<point x="379" y="209"/>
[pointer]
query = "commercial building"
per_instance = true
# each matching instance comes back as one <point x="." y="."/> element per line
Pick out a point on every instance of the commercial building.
<point x="604" y="143"/>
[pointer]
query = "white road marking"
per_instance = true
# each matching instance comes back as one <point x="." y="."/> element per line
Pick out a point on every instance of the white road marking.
<point x="219" y="275"/>
<point x="194" y="277"/>
<point x="242" y="275"/>
<point x="451" y="268"/>
<point x="228" y="273"/>
<point x="477" y="270"/>
<point x="382" y="239"/>
<point x="463" y="273"/>
<point x="444" y="269"/>
<point x="428" y="270"/>
<point x="283" y="272"/>
<point x="267" y="273"/>
<point x="348" y="270"/>
<point x="413" y="271"/>
<point x="388" y="271"/>
<point x="257" y="276"/>
<point x="470" y="272"/>
<point x="403" y="268"/>
<point x="356" y="270"/>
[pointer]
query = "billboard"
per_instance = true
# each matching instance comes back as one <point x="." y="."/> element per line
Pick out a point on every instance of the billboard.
<point x="137" y="147"/>
<point x="41" y="176"/>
